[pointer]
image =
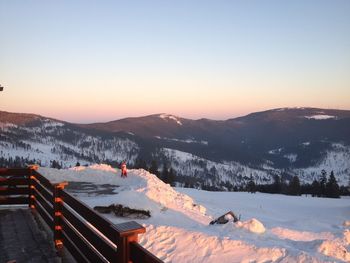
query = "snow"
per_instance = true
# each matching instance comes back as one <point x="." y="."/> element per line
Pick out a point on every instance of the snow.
<point x="253" y="225"/>
<point x="290" y="108"/>
<point x="335" y="249"/>
<point x="276" y="151"/>
<point x="292" y="157"/>
<point x="306" y="236"/>
<point x="187" y="164"/>
<point x="346" y="223"/>
<point x="170" y="117"/>
<point x="44" y="145"/>
<point x="336" y="160"/>
<point x="320" y="117"/>
<point x="5" y="125"/>
<point x="181" y="140"/>
<point x="274" y="228"/>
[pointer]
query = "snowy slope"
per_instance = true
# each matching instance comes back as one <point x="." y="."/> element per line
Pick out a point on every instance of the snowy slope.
<point x="217" y="174"/>
<point x="213" y="173"/>
<point x="288" y="142"/>
<point x="274" y="228"/>
<point x="337" y="159"/>
<point x="50" y="140"/>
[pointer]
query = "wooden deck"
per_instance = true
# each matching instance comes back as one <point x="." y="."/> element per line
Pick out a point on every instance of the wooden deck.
<point x="72" y="225"/>
<point x="23" y="238"/>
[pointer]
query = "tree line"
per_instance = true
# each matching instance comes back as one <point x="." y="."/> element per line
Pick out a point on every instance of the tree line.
<point x="323" y="187"/>
<point x="167" y="174"/>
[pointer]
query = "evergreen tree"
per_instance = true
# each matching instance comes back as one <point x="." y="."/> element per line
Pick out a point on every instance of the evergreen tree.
<point x="55" y="164"/>
<point x="276" y="186"/>
<point x="251" y="187"/>
<point x="294" y="186"/>
<point x="171" y="176"/>
<point x="165" y="173"/>
<point x="323" y="182"/>
<point x="141" y="164"/>
<point x="154" y="168"/>
<point x="315" y="188"/>
<point x="332" y="187"/>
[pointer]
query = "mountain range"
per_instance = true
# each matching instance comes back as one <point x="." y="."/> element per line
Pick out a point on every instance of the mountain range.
<point x="284" y="141"/>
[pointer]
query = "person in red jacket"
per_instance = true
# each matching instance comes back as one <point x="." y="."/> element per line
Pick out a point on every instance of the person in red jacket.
<point x="124" y="170"/>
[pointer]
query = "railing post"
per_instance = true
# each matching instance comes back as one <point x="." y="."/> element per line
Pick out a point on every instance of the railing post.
<point x="31" y="177"/>
<point x="123" y="247"/>
<point x="57" y="217"/>
<point x="128" y="233"/>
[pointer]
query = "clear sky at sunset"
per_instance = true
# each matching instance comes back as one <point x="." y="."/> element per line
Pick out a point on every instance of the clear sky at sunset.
<point x="86" y="61"/>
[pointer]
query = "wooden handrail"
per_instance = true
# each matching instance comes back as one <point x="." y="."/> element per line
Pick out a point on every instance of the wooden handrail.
<point x="86" y="234"/>
<point x="14" y="186"/>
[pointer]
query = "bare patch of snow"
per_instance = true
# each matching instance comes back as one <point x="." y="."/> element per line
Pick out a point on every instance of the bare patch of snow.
<point x="291" y="157"/>
<point x="276" y="151"/>
<point x="181" y="140"/>
<point x="52" y="124"/>
<point x="171" y="117"/>
<point x="320" y="117"/>
<point x="6" y="125"/>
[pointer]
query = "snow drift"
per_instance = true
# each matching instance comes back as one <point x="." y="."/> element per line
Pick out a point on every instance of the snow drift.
<point x="294" y="229"/>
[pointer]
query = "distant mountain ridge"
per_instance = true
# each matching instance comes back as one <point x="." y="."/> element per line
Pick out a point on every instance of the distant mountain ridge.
<point x="278" y="141"/>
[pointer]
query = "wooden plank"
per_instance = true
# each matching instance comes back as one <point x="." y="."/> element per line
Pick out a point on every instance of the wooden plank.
<point x="14" y="172"/>
<point x="43" y="191"/>
<point x="44" y="181"/>
<point x="73" y="250"/>
<point x="140" y="254"/>
<point x="14" y="200"/>
<point x="103" y="225"/>
<point x="13" y="181"/>
<point x="47" y="206"/>
<point x="90" y="235"/>
<point x="14" y="191"/>
<point x="81" y="244"/>
<point x="44" y="215"/>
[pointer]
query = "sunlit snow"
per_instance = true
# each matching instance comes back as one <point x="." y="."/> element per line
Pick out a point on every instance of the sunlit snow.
<point x="320" y="117"/>
<point x="273" y="228"/>
<point x="170" y="117"/>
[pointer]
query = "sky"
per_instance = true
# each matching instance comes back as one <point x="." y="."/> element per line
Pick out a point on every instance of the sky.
<point x="92" y="61"/>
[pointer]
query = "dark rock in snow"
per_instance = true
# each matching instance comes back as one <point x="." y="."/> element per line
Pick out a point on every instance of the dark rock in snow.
<point x="225" y="218"/>
<point x="124" y="211"/>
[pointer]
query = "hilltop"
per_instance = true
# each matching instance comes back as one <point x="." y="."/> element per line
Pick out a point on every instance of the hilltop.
<point x="210" y="153"/>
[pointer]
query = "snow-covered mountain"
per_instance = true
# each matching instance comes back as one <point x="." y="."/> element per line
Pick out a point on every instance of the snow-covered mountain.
<point x="41" y="139"/>
<point x="219" y="154"/>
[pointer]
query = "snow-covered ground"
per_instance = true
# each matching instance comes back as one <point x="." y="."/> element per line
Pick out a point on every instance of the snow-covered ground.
<point x="273" y="228"/>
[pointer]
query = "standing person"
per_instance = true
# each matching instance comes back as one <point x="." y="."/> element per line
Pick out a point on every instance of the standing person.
<point x="124" y="170"/>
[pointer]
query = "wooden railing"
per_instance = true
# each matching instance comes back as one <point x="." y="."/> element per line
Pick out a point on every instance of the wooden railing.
<point x="87" y="236"/>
